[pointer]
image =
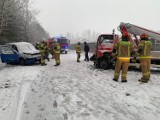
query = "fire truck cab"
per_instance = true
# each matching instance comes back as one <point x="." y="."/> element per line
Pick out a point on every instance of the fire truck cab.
<point x="103" y="52"/>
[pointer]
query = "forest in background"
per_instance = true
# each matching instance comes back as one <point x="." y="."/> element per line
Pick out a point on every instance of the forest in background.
<point x="18" y="22"/>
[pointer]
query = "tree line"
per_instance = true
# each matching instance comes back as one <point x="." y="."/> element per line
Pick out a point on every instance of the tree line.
<point x="86" y="36"/>
<point x="18" y="22"/>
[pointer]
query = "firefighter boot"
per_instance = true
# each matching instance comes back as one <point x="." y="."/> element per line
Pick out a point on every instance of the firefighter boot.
<point x="57" y="64"/>
<point x="124" y="81"/>
<point x="143" y="81"/>
<point x="43" y="64"/>
<point x="115" y="79"/>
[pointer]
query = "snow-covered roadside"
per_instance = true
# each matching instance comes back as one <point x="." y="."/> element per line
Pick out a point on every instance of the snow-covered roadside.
<point x="13" y="79"/>
<point x="77" y="91"/>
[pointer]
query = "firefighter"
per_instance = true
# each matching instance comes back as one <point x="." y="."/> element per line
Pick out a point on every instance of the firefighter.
<point x="46" y="50"/>
<point x="123" y="49"/>
<point x="56" y="50"/>
<point x="144" y="53"/>
<point x="42" y="49"/>
<point x="78" y="51"/>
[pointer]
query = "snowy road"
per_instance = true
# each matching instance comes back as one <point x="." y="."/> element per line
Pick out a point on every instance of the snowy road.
<point x="75" y="91"/>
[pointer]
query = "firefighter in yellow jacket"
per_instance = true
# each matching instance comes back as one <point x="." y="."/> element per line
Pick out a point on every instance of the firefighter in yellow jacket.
<point x="144" y="52"/>
<point x="123" y="49"/>
<point x="78" y="51"/>
<point x="57" y="50"/>
<point x="42" y="49"/>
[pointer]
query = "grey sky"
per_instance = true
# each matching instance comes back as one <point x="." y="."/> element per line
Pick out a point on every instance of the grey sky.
<point x="75" y="16"/>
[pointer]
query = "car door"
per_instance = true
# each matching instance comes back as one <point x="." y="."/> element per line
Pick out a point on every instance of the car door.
<point x="8" y="55"/>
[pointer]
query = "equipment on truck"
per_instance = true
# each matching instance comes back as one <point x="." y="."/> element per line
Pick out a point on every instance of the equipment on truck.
<point x="138" y="31"/>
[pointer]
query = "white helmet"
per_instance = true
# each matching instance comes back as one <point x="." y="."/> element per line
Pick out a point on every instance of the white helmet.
<point x="54" y="39"/>
<point x="43" y="39"/>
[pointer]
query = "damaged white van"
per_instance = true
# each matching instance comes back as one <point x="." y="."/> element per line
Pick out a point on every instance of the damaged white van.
<point x="23" y="53"/>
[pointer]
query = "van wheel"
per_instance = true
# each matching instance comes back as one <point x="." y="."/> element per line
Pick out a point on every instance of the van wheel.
<point x="22" y="62"/>
<point x="39" y="61"/>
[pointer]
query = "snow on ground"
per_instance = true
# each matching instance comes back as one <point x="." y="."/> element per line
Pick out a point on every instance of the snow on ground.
<point x="75" y="91"/>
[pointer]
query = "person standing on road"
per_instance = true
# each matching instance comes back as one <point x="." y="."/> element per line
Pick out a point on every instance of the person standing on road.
<point x="78" y="51"/>
<point x="86" y="50"/>
<point x="56" y="49"/>
<point x="42" y="49"/>
<point x="123" y="49"/>
<point x="144" y="53"/>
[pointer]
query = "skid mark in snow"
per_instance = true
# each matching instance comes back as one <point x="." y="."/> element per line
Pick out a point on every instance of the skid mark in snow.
<point x="22" y="96"/>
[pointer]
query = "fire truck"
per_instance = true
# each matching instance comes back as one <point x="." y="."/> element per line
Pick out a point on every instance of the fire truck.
<point x="105" y="42"/>
<point x="63" y="41"/>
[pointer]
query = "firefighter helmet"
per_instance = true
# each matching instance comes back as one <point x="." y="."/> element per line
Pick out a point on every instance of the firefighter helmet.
<point x="125" y="34"/>
<point x="144" y="35"/>
<point x="43" y="39"/>
<point x="54" y="39"/>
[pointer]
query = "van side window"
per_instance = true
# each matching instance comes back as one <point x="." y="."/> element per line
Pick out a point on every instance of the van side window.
<point x="14" y="47"/>
<point x="7" y="50"/>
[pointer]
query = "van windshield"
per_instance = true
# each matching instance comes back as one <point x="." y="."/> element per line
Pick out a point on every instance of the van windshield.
<point x="26" y="47"/>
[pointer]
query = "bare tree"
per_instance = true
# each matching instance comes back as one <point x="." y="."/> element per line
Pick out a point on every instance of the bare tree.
<point x="89" y="36"/>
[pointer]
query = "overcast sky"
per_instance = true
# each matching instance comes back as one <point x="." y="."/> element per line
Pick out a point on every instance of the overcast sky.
<point x="102" y="16"/>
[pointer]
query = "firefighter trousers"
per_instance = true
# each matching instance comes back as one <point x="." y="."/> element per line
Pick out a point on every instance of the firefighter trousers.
<point x="57" y="58"/>
<point x="121" y="64"/>
<point x="42" y="57"/>
<point x="78" y="56"/>
<point x="145" y="68"/>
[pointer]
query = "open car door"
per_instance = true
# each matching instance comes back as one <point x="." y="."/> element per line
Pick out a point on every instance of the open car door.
<point x="8" y="55"/>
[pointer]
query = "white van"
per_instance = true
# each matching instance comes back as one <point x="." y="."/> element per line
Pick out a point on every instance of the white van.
<point x="25" y="53"/>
